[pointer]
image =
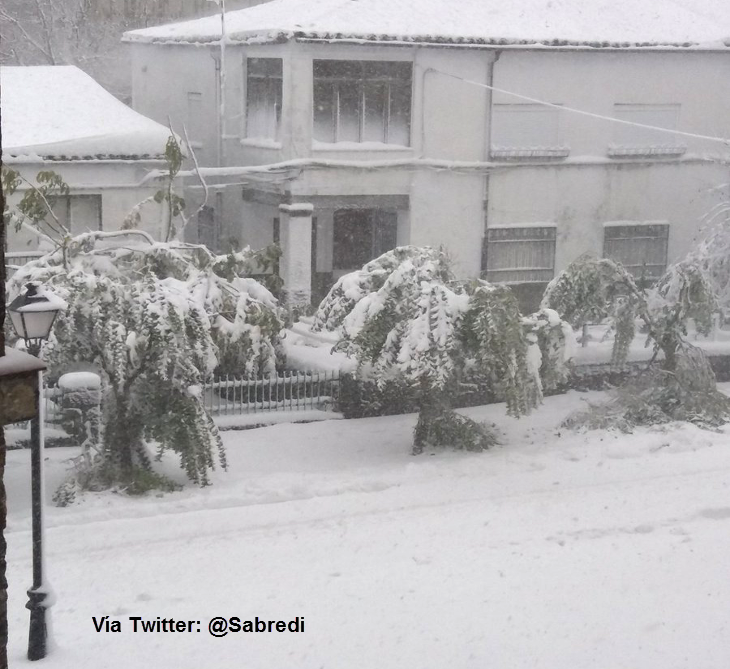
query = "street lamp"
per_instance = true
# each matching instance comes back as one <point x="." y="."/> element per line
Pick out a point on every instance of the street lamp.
<point x="32" y="314"/>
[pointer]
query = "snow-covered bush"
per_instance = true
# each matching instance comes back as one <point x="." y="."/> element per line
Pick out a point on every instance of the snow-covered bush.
<point x="155" y="320"/>
<point x="407" y="320"/>
<point x="712" y="255"/>
<point x="428" y="264"/>
<point x="593" y="289"/>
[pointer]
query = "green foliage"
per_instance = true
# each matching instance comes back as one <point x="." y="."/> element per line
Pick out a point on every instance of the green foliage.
<point x="427" y="263"/>
<point x="407" y="321"/>
<point x="555" y="340"/>
<point x="448" y="429"/>
<point x="175" y="204"/>
<point x="10" y="181"/>
<point x="154" y="320"/>
<point x="262" y="263"/>
<point x="595" y="289"/>
<point x="36" y="205"/>
<point x="493" y="338"/>
<point x="712" y="255"/>
<point x="359" y="398"/>
<point x="684" y="388"/>
<point x="657" y="396"/>
<point x="684" y="292"/>
<point x="591" y="290"/>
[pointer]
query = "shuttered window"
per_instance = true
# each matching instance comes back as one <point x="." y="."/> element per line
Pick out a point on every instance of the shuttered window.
<point x="641" y="249"/>
<point x="520" y="254"/>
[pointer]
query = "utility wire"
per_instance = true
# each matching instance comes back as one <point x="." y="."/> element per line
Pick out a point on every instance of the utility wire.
<point x="722" y="140"/>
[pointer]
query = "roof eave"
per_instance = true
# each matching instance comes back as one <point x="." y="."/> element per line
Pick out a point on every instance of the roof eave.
<point x="280" y="36"/>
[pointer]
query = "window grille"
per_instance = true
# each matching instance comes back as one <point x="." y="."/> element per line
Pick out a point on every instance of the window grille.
<point x="520" y="254"/>
<point x="641" y="249"/>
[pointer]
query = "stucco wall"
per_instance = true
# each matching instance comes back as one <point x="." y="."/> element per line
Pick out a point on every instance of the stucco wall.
<point x="450" y="121"/>
<point x="117" y="183"/>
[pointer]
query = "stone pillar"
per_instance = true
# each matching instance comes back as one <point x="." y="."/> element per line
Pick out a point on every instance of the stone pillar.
<point x="295" y="266"/>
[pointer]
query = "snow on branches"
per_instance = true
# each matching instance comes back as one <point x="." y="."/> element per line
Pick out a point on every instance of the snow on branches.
<point x="593" y="289"/>
<point x="407" y="320"/>
<point x="155" y="319"/>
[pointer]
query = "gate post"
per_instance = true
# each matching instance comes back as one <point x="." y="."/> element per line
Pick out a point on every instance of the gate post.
<point x="295" y="267"/>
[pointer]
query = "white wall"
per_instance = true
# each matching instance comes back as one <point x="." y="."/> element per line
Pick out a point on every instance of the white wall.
<point x="588" y="189"/>
<point x="450" y="121"/>
<point x="118" y="183"/>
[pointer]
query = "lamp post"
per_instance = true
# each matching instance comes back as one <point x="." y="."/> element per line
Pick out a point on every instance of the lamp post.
<point x="32" y="314"/>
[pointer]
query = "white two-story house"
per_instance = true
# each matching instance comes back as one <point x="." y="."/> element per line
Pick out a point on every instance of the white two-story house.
<point x="519" y="135"/>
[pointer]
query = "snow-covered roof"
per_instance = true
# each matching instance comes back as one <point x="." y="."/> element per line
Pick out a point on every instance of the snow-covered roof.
<point x="618" y="23"/>
<point x="61" y="112"/>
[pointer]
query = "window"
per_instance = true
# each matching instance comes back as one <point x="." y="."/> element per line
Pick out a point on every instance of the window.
<point x="520" y="254"/>
<point x="194" y="122"/>
<point x="526" y="131"/>
<point x="207" y="227"/>
<point x="641" y="249"/>
<point x="630" y="140"/>
<point x="263" y="97"/>
<point x="360" y="235"/>
<point x="356" y="101"/>
<point x="79" y="213"/>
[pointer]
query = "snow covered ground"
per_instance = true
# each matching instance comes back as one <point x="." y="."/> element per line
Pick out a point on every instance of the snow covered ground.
<point x="555" y="550"/>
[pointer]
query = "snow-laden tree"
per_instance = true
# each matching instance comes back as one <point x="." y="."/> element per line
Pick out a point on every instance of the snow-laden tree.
<point x="155" y="320"/>
<point x="595" y="289"/>
<point x="712" y="255"/>
<point x="406" y="319"/>
<point x="86" y="33"/>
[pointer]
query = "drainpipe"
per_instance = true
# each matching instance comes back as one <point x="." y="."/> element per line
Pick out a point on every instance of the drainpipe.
<point x="220" y="69"/>
<point x="487" y="149"/>
<point x="222" y="106"/>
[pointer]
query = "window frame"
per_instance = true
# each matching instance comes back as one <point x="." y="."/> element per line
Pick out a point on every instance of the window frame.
<point x="542" y="233"/>
<point x="67" y="218"/>
<point x="195" y="131"/>
<point x="382" y="227"/>
<point x="629" y="149"/>
<point x="360" y="77"/>
<point x="556" y="148"/>
<point x="273" y="83"/>
<point x="637" y="271"/>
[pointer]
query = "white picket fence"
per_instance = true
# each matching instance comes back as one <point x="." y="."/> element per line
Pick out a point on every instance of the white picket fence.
<point x="286" y="391"/>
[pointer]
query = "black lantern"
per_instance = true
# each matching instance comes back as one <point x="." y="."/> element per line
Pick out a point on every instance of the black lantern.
<point x="32" y="314"/>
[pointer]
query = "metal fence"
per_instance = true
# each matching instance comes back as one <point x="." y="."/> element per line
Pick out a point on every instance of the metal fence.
<point x="287" y="391"/>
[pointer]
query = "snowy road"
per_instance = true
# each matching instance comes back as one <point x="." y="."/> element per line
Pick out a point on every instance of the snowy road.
<point x="581" y="551"/>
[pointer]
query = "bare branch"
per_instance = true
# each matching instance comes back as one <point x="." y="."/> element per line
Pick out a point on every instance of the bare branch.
<point x="39" y="233"/>
<point x="47" y="53"/>
<point x="46" y="30"/>
<point x="64" y="231"/>
<point x="200" y="178"/>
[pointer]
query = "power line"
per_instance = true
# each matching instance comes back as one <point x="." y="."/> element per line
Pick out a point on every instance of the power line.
<point x="573" y="110"/>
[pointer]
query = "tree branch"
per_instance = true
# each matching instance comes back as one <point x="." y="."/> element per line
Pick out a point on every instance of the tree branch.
<point x="5" y="16"/>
